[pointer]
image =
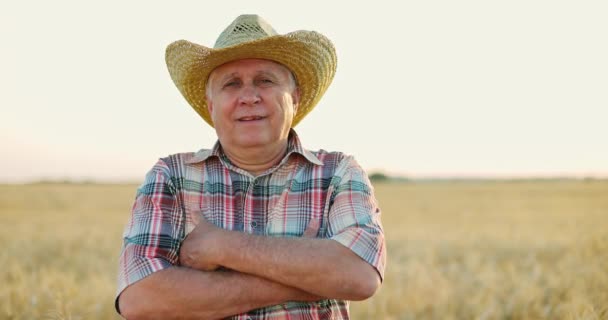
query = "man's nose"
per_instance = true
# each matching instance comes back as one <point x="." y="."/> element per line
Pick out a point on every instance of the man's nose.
<point x="249" y="95"/>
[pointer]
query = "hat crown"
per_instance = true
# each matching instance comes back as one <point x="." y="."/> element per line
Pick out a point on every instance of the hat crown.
<point x="244" y="28"/>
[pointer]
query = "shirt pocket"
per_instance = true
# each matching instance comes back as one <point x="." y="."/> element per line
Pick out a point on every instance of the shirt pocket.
<point x="297" y="216"/>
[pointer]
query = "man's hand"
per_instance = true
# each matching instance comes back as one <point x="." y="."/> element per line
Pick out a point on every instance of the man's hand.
<point x="321" y="267"/>
<point x="200" y="248"/>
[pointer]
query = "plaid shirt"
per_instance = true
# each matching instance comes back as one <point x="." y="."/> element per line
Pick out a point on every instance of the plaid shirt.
<point x="327" y="190"/>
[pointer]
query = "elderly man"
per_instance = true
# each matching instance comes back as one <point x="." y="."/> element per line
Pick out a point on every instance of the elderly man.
<point x="256" y="227"/>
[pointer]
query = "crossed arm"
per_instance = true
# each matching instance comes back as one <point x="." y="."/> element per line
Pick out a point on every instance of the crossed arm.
<point x="263" y="271"/>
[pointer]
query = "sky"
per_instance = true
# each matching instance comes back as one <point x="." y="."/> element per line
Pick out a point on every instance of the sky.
<point x="423" y="88"/>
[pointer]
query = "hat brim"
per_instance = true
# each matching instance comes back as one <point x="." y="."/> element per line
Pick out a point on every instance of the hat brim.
<point x="309" y="55"/>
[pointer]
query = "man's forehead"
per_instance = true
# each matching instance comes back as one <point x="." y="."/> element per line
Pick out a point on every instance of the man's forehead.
<point x="237" y="67"/>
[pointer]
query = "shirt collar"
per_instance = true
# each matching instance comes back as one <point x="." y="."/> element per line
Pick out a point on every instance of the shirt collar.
<point x="294" y="145"/>
<point x="205" y="154"/>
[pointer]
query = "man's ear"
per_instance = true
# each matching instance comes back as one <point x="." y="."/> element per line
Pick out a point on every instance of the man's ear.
<point x="295" y="96"/>
<point x="209" y="106"/>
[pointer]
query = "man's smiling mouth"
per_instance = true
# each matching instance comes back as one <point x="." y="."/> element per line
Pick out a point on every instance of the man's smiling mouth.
<point x="251" y="118"/>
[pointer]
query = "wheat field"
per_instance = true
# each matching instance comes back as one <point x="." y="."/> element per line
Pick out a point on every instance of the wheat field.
<point x="456" y="250"/>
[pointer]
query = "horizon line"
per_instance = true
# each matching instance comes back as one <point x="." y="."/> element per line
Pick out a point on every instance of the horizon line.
<point x="389" y="178"/>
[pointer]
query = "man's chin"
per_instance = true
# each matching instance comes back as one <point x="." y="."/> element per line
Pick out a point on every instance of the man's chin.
<point x="254" y="141"/>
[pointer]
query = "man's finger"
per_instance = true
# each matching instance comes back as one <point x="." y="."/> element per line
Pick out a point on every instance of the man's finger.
<point x="196" y="218"/>
<point x="312" y="229"/>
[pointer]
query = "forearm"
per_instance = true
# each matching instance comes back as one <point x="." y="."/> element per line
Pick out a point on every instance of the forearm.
<point x="184" y="293"/>
<point x="323" y="267"/>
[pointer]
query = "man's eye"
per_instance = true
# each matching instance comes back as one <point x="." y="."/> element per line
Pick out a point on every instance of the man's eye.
<point x="231" y="84"/>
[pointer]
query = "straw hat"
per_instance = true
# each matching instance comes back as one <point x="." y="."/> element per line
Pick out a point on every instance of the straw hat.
<point x="309" y="55"/>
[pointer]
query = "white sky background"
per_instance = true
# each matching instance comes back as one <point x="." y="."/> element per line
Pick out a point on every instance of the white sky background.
<point x="423" y="88"/>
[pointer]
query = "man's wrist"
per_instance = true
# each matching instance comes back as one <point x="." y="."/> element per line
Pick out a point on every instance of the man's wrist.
<point x="230" y="245"/>
<point x="222" y="246"/>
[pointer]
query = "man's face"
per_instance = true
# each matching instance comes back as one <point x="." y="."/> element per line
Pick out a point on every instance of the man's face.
<point x="252" y="103"/>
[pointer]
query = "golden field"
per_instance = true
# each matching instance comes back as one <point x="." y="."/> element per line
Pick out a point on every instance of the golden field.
<point x="457" y="250"/>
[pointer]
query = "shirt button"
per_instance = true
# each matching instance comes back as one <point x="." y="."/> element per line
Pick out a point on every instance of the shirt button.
<point x="253" y="224"/>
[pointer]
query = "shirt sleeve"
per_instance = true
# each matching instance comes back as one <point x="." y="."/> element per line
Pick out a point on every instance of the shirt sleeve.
<point x="153" y="235"/>
<point x="354" y="215"/>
